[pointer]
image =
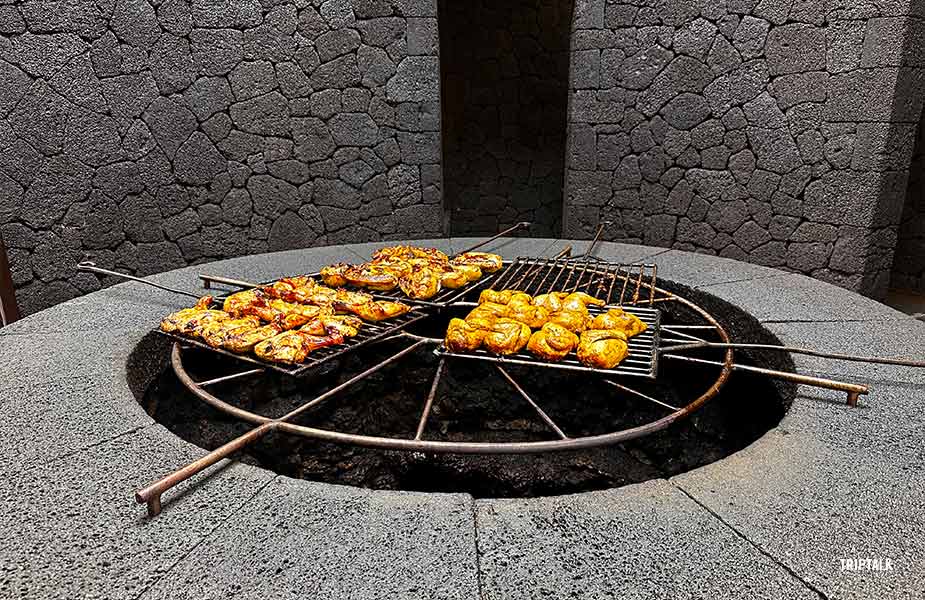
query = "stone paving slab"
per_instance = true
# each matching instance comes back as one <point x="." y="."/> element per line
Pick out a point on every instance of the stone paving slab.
<point x="888" y="424"/>
<point x="891" y="339"/>
<point x="617" y="252"/>
<point x="76" y="531"/>
<point x="641" y="541"/>
<point x="809" y="503"/>
<point x="697" y="270"/>
<point x="45" y="422"/>
<point x="791" y="297"/>
<point x="299" y="539"/>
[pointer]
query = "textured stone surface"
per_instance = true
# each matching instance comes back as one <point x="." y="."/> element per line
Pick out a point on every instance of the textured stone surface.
<point x="770" y="521"/>
<point x="809" y="107"/>
<point x="586" y="545"/>
<point x="333" y="529"/>
<point x="151" y="135"/>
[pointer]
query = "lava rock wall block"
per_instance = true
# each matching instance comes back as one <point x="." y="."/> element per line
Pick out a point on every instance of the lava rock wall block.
<point x="771" y="131"/>
<point x="909" y="262"/>
<point x="151" y="134"/>
<point x="505" y="70"/>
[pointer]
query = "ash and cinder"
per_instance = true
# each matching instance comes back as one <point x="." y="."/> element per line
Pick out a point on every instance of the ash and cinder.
<point x="474" y="403"/>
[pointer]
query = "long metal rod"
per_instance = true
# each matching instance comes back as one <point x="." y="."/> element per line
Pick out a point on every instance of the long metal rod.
<point x="640" y="394"/>
<point x="208" y="280"/>
<point x="91" y="267"/>
<point x="521" y="225"/>
<point x="429" y="403"/>
<point x="230" y="377"/>
<point x="671" y="329"/>
<point x="549" y="422"/>
<point x="151" y="495"/>
<point x="795" y="350"/>
<point x="852" y="389"/>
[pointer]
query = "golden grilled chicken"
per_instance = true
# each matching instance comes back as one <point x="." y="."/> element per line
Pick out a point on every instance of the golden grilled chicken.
<point x="551" y="301"/>
<point x="244" y="340"/>
<point x="370" y="277"/>
<point x="483" y="316"/>
<point x="453" y="278"/>
<point x="379" y="310"/>
<point x="179" y="320"/>
<point x="552" y="342"/>
<point x="410" y="252"/>
<point x="618" y="319"/>
<point x="422" y="283"/>
<point x="259" y="304"/>
<point x="533" y="317"/>
<point x="488" y="263"/>
<point x="506" y="336"/>
<point x="462" y="336"/>
<point x="579" y="300"/>
<point x="602" y="349"/>
<point x="346" y="325"/>
<point x="215" y="334"/>
<point x="504" y="297"/>
<point x="575" y="321"/>
<point x="472" y="272"/>
<point x="293" y="347"/>
<point x="333" y="275"/>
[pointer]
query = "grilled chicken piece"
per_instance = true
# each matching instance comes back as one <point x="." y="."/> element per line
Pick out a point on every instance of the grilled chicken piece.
<point x="602" y="349"/>
<point x="423" y="283"/>
<point x="370" y="277"/>
<point x="175" y="322"/>
<point x="533" y="317"/>
<point x="453" y="278"/>
<point x="575" y="321"/>
<point x="472" y="272"/>
<point x="618" y="319"/>
<point x="333" y="275"/>
<point x="483" y="316"/>
<point x="379" y="310"/>
<point x="504" y="297"/>
<point x="579" y="300"/>
<point x="245" y="340"/>
<point x="551" y="301"/>
<point x="488" y="263"/>
<point x="346" y="325"/>
<point x="552" y="342"/>
<point x="293" y="347"/>
<point x="258" y="303"/>
<point x="215" y="334"/>
<point x="409" y="252"/>
<point x="462" y="336"/>
<point x="506" y="336"/>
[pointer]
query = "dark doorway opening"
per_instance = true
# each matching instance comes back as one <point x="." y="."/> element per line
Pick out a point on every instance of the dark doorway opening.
<point x="505" y="74"/>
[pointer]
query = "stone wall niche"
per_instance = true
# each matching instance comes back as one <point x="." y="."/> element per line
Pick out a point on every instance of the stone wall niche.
<point x="504" y="67"/>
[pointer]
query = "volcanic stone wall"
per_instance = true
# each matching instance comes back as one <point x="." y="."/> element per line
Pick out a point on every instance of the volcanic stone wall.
<point x="147" y="135"/>
<point x="505" y="93"/>
<point x="909" y="262"/>
<point x="774" y="131"/>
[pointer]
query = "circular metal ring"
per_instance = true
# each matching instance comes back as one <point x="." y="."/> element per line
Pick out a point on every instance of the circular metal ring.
<point x="447" y="447"/>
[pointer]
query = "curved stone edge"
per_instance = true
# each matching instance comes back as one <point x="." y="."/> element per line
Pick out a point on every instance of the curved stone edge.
<point x="44" y="390"/>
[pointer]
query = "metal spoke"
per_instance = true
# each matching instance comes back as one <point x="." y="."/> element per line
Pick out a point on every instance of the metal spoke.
<point x="641" y="395"/>
<point x="673" y="329"/>
<point x="229" y="377"/>
<point x="552" y="425"/>
<point x="521" y="225"/>
<point x="430" y="401"/>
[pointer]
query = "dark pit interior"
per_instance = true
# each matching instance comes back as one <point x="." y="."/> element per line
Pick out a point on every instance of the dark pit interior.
<point x="473" y="403"/>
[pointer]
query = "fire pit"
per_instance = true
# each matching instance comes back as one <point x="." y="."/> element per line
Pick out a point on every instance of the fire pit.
<point x="767" y="487"/>
<point x="583" y="394"/>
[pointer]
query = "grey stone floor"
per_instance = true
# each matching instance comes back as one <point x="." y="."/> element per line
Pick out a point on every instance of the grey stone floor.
<point x="771" y="521"/>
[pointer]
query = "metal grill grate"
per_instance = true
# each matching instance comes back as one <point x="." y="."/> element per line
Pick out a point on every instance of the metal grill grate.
<point x="370" y="332"/>
<point x="620" y="285"/>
